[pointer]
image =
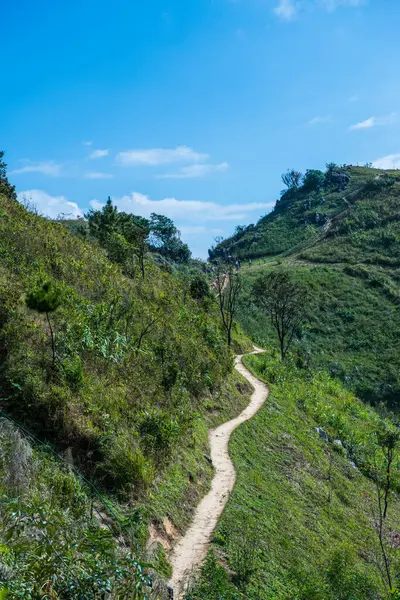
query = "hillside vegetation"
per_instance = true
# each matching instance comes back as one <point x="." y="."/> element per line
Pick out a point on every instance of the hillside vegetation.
<point x="302" y="520"/>
<point x="120" y="370"/>
<point x="339" y="234"/>
<point x="348" y="214"/>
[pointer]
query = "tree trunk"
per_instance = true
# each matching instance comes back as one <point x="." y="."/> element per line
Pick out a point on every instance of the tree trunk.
<point x="53" y="343"/>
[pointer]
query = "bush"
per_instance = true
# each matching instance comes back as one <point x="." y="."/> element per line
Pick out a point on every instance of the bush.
<point x="125" y="467"/>
<point x="72" y="368"/>
<point x="199" y="288"/>
<point x="346" y="579"/>
<point x="159" y="433"/>
<point x="313" y="180"/>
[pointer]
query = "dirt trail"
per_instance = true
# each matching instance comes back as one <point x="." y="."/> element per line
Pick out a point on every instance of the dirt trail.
<point x="191" y="550"/>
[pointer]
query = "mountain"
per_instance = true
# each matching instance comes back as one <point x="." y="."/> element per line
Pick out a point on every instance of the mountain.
<point x="114" y="365"/>
<point x="110" y="376"/>
<point x="339" y="235"/>
<point x="349" y="215"/>
<point x="303" y="521"/>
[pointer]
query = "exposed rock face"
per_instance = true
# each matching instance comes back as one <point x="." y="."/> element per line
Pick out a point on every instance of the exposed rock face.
<point x="322" y="434"/>
<point x="340" y="178"/>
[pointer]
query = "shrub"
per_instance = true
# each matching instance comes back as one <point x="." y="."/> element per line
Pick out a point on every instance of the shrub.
<point x="346" y="579"/>
<point x="199" y="288"/>
<point x="313" y="180"/>
<point x="159" y="433"/>
<point x="125" y="467"/>
<point x="72" y="369"/>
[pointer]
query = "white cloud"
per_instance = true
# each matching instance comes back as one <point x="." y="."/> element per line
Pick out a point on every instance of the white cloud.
<point x="371" y="122"/>
<point x="98" y="175"/>
<point x="286" y="10"/>
<point x="87" y="143"/>
<point x="50" y="206"/>
<point x="49" y="167"/>
<point x="375" y="122"/>
<point x="159" y="156"/>
<point x="96" y="205"/>
<point x="98" y="154"/>
<point x="192" y="171"/>
<point x="191" y="210"/>
<point x="319" y="120"/>
<point x="391" y="161"/>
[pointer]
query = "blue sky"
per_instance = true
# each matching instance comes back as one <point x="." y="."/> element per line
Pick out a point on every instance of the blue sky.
<point x="193" y="108"/>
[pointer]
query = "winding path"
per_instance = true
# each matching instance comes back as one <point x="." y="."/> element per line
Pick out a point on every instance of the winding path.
<point x="191" y="550"/>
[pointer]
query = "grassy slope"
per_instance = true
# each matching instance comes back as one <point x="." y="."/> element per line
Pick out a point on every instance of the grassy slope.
<point x="352" y="328"/>
<point x="345" y="247"/>
<point x="310" y="547"/>
<point x="359" y="223"/>
<point x="134" y="421"/>
<point x="298" y="498"/>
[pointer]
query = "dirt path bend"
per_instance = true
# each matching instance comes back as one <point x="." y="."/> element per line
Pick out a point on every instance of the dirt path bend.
<point x="191" y="550"/>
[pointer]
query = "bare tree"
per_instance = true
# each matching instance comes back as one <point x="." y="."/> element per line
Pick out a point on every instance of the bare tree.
<point x="284" y="301"/>
<point x="228" y="287"/>
<point x="292" y="179"/>
<point x="141" y="247"/>
<point x="383" y="477"/>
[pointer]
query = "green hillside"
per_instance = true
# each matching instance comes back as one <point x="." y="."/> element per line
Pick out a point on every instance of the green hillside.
<point x="118" y="373"/>
<point x="347" y="215"/>
<point x="302" y="521"/>
<point x="114" y="365"/>
<point x="341" y="239"/>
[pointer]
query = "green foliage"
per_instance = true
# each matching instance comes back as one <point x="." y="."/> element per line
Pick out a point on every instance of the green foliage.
<point x="313" y="180"/>
<point x="312" y="509"/>
<point x="51" y="545"/>
<point x="345" y="217"/>
<point x="199" y="287"/>
<point x="45" y="298"/>
<point x="351" y="326"/>
<point x="165" y="238"/>
<point x="125" y="236"/>
<point x="142" y="370"/>
<point x="159" y="433"/>
<point x="5" y="187"/>
<point x="346" y="579"/>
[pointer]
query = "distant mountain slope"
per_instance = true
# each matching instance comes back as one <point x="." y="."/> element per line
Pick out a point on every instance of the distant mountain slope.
<point x="354" y="216"/>
<point x="341" y="239"/>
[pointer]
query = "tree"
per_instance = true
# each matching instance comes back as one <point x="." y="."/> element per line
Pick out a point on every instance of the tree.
<point x="45" y="298"/>
<point x="199" y="288"/>
<point x="165" y="238"/>
<point x="239" y="229"/>
<point x="5" y="187"/>
<point x="103" y="223"/>
<point x="387" y="446"/>
<point x="140" y="245"/>
<point x="162" y="230"/>
<point x="291" y="179"/>
<point x="284" y="301"/>
<point x="228" y="288"/>
<point x="136" y="230"/>
<point x="313" y="180"/>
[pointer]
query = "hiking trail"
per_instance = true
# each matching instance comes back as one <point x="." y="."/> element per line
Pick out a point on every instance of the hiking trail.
<point x="190" y="552"/>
